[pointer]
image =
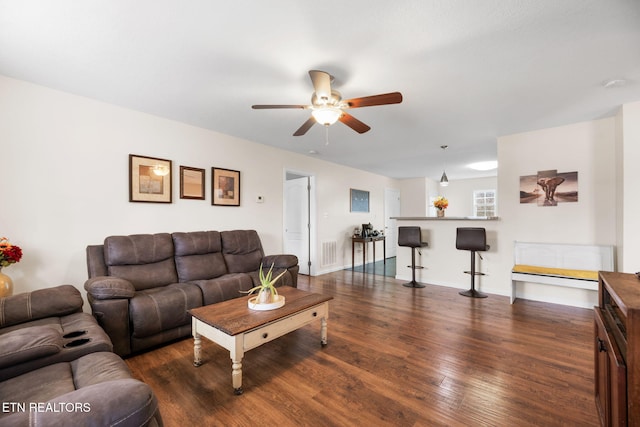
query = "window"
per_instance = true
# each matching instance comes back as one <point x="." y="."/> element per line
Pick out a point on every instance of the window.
<point x="484" y="203"/>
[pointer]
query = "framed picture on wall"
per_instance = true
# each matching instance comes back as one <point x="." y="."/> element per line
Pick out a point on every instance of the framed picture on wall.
<point x="191" y="183"/>
<point x="149" y="179"/>
<point x="549" y="187"/>
<point x="359" y="200"/>
<point x="225" y="187"/>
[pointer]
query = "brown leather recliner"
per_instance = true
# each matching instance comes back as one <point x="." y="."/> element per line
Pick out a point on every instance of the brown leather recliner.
<point x="57" y="368"/>
<point x="44" y="327"/>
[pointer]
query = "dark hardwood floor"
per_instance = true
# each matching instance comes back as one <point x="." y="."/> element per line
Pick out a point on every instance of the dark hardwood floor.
<point x="396" y="356"/>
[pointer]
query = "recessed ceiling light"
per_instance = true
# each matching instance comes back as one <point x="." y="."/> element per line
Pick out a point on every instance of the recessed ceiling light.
<point x="614" y="83"/>
<point x="484" y="166"/>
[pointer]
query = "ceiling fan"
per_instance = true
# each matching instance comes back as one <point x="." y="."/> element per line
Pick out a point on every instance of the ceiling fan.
<point x="327" y="106"/>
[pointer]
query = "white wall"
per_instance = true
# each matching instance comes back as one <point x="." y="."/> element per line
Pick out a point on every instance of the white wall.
<point x="413" y="197"/>
<point x="589" y="149"/>
<point x="65" y="182"/>
<point x="460" y="194"/>
<point x="628" y="179"/>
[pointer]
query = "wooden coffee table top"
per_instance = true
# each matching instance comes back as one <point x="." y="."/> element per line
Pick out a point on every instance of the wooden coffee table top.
<point x="234" y="316"/>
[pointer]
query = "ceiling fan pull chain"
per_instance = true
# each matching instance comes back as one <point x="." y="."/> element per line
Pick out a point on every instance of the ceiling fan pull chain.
<point x="326" y="134"/>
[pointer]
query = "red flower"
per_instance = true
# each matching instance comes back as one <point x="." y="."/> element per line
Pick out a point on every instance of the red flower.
<point x="9" y="253"/>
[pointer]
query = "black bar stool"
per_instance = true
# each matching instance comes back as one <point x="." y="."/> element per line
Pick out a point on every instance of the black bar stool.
<point x="411" y="237"/>
<point x="472" y="239"/>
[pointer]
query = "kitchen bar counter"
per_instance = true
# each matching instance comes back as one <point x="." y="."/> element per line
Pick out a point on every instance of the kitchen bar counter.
<point x="445" y="265"/>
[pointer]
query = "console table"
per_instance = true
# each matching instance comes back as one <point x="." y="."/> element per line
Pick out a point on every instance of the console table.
<point x="365" y="241"/>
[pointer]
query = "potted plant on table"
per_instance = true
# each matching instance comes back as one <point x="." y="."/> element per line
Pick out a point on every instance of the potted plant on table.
<point x="267" y="298"/>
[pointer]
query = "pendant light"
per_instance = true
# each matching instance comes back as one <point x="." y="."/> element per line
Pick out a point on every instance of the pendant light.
<point x="444" y="181"/>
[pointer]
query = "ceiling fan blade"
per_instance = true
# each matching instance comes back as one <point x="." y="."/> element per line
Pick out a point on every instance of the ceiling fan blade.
<point x="321" y="83"/>
<point x="353" y="123"/>
<point x="305" y="127"/>
<point x="264" y="107"/>
<point x="370" y="101"/>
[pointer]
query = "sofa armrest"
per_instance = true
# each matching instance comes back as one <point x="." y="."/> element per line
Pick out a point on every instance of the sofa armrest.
<point x="49" y="302"/>
<point x="109" y="299"/>
<point x="119" y="402"/>
<point x="107" y="287"/>
<point x="279" y="261"/>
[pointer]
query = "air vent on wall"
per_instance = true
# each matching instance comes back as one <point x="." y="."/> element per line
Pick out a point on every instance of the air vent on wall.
<point x="329" y="253"/>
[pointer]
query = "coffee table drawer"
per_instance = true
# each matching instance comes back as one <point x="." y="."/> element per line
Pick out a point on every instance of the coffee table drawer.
<point x="283" y="326"/>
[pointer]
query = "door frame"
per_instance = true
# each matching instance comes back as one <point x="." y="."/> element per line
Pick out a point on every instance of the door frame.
<point x="391" y="245"/>
<point x="312" y="229"/>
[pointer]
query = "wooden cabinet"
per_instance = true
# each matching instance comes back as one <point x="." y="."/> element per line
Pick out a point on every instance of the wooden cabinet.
<point x="617" y="349"/>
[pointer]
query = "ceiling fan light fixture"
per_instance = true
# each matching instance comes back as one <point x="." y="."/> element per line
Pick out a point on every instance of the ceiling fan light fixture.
<point x="160" y="170"/>
<point x="326" y="115"/>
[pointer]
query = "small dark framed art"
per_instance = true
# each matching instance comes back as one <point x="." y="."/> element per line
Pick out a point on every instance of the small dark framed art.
<point x="149" y="179"/>
<point x="225" y="187"/>
<point x="191" y="183"/>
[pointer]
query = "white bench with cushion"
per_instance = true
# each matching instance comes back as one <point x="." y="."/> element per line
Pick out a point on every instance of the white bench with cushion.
<point x="568" y="265"/>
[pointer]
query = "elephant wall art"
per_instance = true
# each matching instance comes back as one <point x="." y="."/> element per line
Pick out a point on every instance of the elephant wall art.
<point x="548" y="188"/>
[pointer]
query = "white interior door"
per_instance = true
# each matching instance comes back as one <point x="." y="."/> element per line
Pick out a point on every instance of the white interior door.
<point x="391" y="208"/>
<point x="296" y="221"/>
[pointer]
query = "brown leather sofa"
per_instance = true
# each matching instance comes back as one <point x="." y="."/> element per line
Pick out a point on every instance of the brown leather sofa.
<point x="141" y="286"/>
<point x="57" y="368"/>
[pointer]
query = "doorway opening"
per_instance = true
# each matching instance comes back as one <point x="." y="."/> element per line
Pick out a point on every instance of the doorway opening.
<point x="386" y="267"/>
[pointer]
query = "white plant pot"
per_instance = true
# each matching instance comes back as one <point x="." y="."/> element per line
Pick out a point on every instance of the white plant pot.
<point x="277" y="302"/>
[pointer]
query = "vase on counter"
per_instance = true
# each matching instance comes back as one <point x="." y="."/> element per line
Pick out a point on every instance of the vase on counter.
<point x="440" y="213"/>
<point x="6" y="285"/>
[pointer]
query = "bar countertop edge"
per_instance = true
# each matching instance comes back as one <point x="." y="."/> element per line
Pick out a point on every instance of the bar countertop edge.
<point x="446" y="218"/>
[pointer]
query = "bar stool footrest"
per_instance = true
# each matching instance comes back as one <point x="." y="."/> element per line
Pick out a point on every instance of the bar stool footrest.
<point x="477" y="273"/>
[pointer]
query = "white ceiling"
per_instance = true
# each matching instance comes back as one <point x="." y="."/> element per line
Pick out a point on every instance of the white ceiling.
<point x="470" y="71"/>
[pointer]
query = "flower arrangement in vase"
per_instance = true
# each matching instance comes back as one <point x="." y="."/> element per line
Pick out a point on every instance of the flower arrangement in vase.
<point x="440" y="203"/>
<point x="9" y="254"/>
<point x="267" y="298"/>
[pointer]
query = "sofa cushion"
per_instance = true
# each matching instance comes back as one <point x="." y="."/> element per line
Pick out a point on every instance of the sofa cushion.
<point x="198" y="255"/>
<point x="25" y="344"/>
<point x="38" y="304"/>
<point x="145" y="260"/>
<point x="159" y="309"/>
<point x="224" y="288"/>
<point x="54" y="380"/>
<point x="97" y="387"/>
<point x="242" y="250"/>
